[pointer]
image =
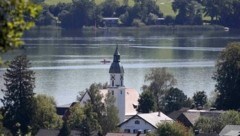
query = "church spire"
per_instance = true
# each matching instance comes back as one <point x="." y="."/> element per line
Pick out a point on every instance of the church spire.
<point x="116" y="70"/>
<point x="116" y="57"/>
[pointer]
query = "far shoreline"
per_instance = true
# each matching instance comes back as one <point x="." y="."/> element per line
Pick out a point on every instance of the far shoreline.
<point x="154" y="27"/>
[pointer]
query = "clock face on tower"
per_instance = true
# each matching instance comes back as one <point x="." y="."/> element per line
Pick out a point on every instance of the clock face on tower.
<point x="112" y="77"/>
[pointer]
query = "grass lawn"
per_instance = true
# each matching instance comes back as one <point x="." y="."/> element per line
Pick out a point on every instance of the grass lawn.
<point x="165" y="5"/>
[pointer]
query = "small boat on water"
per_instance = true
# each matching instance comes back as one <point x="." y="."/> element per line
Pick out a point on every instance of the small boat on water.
<point x="104" y="61"/>
<point x="226" y="28"/>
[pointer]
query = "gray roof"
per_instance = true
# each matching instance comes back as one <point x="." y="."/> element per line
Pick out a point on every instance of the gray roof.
<point x="116" y="66"/>
<point x="175" y="114"/>
<point x="230" y="130"/>
<point x="123" y="134"/>
<point x="193" y="115"/>
<point x="54" y="132"/>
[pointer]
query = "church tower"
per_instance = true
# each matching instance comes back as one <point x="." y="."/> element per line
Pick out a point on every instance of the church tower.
<point x="116" y="71"/>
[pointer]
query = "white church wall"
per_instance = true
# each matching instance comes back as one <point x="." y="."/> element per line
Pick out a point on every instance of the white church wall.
<point x="119" y="94"/>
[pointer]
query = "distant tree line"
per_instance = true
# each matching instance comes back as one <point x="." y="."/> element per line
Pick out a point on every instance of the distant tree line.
<point x="81" y="13"/>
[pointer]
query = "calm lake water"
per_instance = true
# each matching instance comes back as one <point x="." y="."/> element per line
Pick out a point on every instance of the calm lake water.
<point x="66" y="62"/>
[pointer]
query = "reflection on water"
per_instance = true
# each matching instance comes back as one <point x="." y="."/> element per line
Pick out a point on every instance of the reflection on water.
<point x="67" y="62"/>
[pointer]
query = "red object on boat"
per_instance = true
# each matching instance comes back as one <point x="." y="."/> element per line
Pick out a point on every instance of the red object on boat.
<point x="105" y="61"/>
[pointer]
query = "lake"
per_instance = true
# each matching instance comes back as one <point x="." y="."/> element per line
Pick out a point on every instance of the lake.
<point x="68" y="61"/>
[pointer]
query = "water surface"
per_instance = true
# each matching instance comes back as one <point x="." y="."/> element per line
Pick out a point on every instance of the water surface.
<point x="68" y="61"/>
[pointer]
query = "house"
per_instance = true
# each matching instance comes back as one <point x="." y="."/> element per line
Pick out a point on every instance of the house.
<point x="110" y="21"/>
<point x="190" y="117"/>
<point x="230" y="130"/>
<point x="63" y="108"/>
<point x="143" y="122"/>
<point x="160" y="21"/>
<point x="175" y="114"/>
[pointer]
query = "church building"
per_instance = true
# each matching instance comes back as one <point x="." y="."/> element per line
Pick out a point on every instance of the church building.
<point x="126" y="98"/>
<point x="126" y="101"/>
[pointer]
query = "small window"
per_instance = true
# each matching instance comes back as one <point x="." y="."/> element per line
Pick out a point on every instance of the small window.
<point x="135" y="131"/>
<point x="137" y="122"/>
<point x="127" y="131"/>
<point x="112" y="83"/>
<point x="121" y="91"/>
<point x="146" y="131"/>
<point x="112" y="92"/>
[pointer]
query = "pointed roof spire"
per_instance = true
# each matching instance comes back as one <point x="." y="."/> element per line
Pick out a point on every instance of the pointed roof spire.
<point x="116" y="66"/>
<point x="116" y="56"/>
<point x="116" y="51"/>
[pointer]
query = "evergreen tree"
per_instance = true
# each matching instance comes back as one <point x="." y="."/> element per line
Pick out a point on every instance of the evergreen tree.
<point x="18" y="96"/>
<point x="65" y="130"/>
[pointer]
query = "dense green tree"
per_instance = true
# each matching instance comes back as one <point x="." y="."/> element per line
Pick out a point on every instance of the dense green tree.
<point x="90" y="125"/>
<point x="200" y="98"/>
<point x="229" y="117"/>
<point x="146" y="102"/>
<point x="109" y="8"/>
<point x="173" y="129"/>
<point x="160" y="82"/>
<point x="82" y="12"/>
<point x="174" y="99"/>
<point x="188" y="12"/>
<point x="110" y="119"/>
<point x="16" y="16"/>
<point x="211" y="8"/>
<point x="207" y="124"/>
<point x="65" y="130"/>
<point x="18" y="97"/>
<point x="45" y="115"/>
<point x="76" y="115"/>
<point x="145" y="8"/>
<point x="216" y="124"/>
<point x="227" y="77"/>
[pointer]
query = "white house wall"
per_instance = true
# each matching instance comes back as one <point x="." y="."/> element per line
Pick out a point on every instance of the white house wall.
<point x="143" y="125"/>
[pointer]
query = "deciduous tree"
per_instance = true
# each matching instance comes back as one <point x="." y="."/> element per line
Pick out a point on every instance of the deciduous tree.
<point x="160" y="82"/>
<point x="200" y="98"/>
<point x="173" y="129"/>
<point x="146" y="102"/>
<point x="227" y="76"/>
<point x="110" y="118"/>
<point x="16" y="16"/>
<point x="174" y="100"/>
<point x="45" y="115"/>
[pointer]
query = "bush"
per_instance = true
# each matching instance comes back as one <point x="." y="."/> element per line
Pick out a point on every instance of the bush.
<point x="137" y="23"/>
<point x="173" y="129"/>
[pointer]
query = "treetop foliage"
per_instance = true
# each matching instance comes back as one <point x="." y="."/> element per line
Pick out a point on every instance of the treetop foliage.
<point x="16" y="16"/>
<point x="227" y="76"/>
<point x="173" y="129"/>
<point x="18" y="105"/>
<point x="160" y="82"/>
